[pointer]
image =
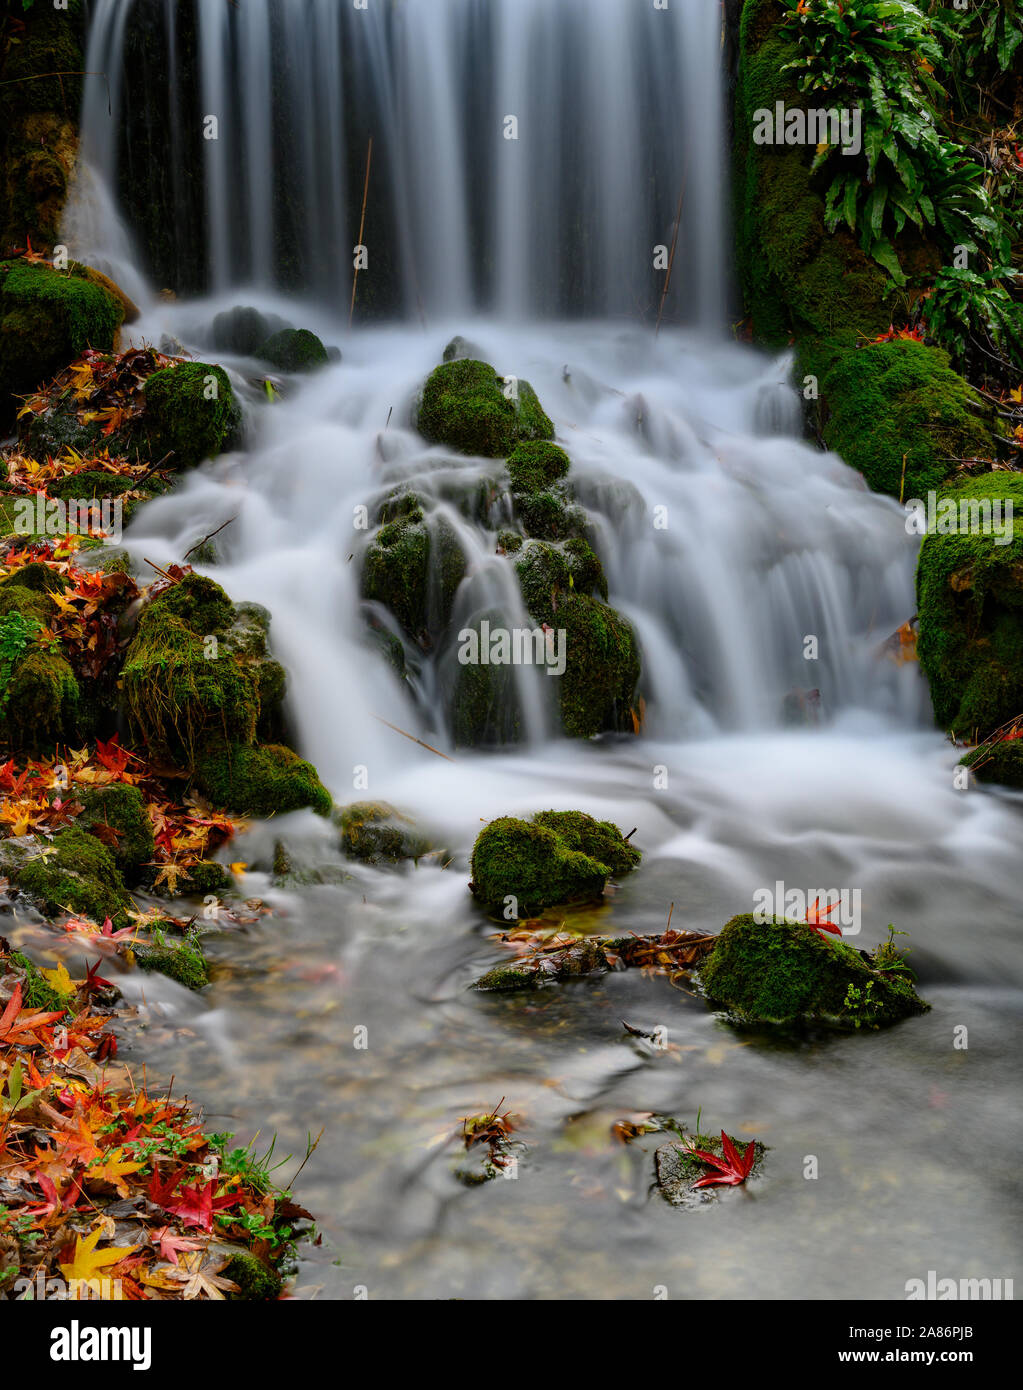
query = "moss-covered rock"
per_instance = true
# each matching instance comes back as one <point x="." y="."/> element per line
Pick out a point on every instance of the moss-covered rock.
<point x="35" y="992"/>
<point x="48" y="317"/>
<point x="372" y="831"/>
<point x="183" y="963"/>
<point x="293" y="350"/>
<point x="76" y="874"/>
<point x="181" y="690"/>
<point x="257" y="1282"/>
<point x="782" y="973"/>
<point x="556" y="857"/>
<point x="1000" y="762"/>
<point x="191" y="412"/>
<point x="483" y="701"/>
<point x="678" y="1171"/>
<point x="40" y="698"/>
<point x="117" y="814"/>
<point x="897" y="412"/>
<point x="464" y="406"/>
<point x="396" y="570"/>
<point x="970" y="600"/>
<point x="535" y="465"/>
<point x="265" y="780"/>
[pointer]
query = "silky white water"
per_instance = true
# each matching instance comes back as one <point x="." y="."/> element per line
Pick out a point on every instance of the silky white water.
<point x="727" y="542"/>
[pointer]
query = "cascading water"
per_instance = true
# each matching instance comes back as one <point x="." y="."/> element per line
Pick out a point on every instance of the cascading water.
<point x="726" y="541"/>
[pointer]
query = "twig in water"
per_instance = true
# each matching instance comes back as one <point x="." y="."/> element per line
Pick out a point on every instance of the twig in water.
<point x="428" y="746"/>
<point x="208" y="538"/>
<point x="160" y="571"/>
<point x="362" y="224"/>
<point x="674" y="244"/>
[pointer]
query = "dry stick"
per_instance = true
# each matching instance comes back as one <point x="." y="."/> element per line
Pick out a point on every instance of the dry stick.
<point x="902" y="482"/>
<point x="674" y="244"/>
<point x="160" y="571"/>
<point x="427" y="746"/>
<point x="208" y="538"/>
<point x="362" y="224"/>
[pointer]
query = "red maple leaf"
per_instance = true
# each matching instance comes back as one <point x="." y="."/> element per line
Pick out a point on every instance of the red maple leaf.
<point x="113" y="757"/>
<point x="815" y="918"/>
<point x="732" y="1170"/>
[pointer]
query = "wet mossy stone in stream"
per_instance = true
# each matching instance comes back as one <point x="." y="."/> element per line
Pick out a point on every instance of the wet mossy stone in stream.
<point x="47" y="318"/>
<point x="293" y="350"/>
<point x="785" y="974"/>
<point x="893" y="404"/>
<point x="373" y="831"/>
<point x="556" y="857"/>
<point x="76" y="874"/>
<point x="413" y="566"/>
<point x="536" y="464"/>
<point x="244" y="330"/>
<point x="116" y="814"/>
<point x="1000" y="763"/>
<point x="970" y="603"/>
<point x="678" y="1171"/>
<point x="465" y="406"/>
<point x="191" y="413"/>
<point x="183" y="963"/>
<point x="265" y="780"/>
<point x="602" y="657"/>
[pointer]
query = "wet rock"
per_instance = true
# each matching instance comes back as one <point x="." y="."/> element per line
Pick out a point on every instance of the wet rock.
<point x="557" y="857"/>
<point x="786" y="974"/>
<point x="243" y="330"/>
<point x="465" y="406"/>
<point x="373" y="831"/>
<point x="293" y="350"/>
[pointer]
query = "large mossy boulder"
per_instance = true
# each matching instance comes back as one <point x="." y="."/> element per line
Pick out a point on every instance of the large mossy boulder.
<point x="293" y="350"/>
<point x="181" y="691"/>
<point x="265" y="780"/>
<point x="468" y="407"/>
<point x="47" y="318"/>
<point x="76" y="874"/>
<point x="556" y="857"/>
<point x="786" y="974"/>
<point x="373" y="831"/>
<point x="970" y="602"/>
<point x="191" y="413"/>
<point x="999" y="762"/>
<point x="898" y="413"/>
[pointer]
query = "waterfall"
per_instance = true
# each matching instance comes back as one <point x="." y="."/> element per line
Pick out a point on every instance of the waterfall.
<point x="529" y="157"/>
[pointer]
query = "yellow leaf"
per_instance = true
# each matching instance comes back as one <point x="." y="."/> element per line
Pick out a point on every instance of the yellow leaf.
<point x="60" y="979"/>
<point x="88" y="1260"/>
<point x="238" y="867"/>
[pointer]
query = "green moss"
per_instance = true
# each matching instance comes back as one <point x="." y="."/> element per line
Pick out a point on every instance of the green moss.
<point x="293" y="350"/>
<point x="484" y="700"/>
<point x="556" y="857"/>
<point x="79" y="876"/>
<point x="256" y="1281"/>
<point x="182" y="963"/>
<point x="40" y="578"/>
<point x="373" y="830"/>
<point x="35" y="992"/>
<point x="263" y="781"/>
<point x="47" y="318"/>
<point x="40" y="702"/>
<point x="1001" y="763"/>
<point x="122" y="808"/>
<point x="207" y="877"/>
<point x="899" y="400"/>
<point x="190" y="412"/>
<point x="90" y="483"/>
<point x="785" y="973"/>
<point x="396" y="571"/>
<point x="536" y="465"/>
<point x="465" y="407"/>
<point x="178" y="697"/>
<point x="970" y="601"/>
